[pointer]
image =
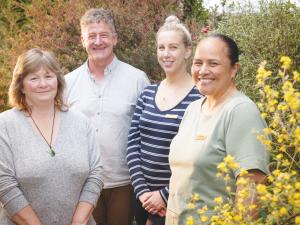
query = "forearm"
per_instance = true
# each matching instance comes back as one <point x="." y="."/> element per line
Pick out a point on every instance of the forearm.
<point x="26" y="216"/>
<point x="82" y="213"/>
<point x="254" y="177"/>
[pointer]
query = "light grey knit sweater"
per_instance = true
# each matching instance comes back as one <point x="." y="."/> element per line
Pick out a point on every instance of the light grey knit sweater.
<point x="53" y="186"/>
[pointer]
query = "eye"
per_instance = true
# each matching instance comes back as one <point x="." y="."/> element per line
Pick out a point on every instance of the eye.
<point x="49" y="76"/>
<point x="161" y="47"/>
<point x="173" y="47"/>
<point x="91" y="36"/>
<point x="197" y="63"/>
<point x="104" y="35"/>
<point x="33" y="78"/>
<point x="213" y="64"/>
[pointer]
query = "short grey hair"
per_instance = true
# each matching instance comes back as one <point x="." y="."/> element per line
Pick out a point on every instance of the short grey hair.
<point x="97" y="15"/>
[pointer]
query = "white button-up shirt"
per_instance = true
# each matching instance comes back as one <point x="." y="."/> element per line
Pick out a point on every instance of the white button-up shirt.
<point x="110" y="105"/>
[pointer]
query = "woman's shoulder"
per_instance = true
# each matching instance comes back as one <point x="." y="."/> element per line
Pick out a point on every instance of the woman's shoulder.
<point x="195" y="105"/>
<point x="239" y="99"/>
<point x="241" y="104"/>
<point x="150" y="89"/>
<point x="10" y="115"/>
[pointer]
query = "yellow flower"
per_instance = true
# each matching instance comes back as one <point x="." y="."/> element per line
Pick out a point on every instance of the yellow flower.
<point x="202" y="210"/>
<point x="237" y="218"/>
<point x="204" y="218"/>
<point x="286" y="62"/>
<point x="296" y="76"/>
<point x="297" y="220"/>
<point x="196" y="197"/>
<point x="261" y="188"/>
<point x="283" y="211"/>
<point x="279" y="156"/>
<point x="190" y="220"/>
<point x="268" y="130"/>
<point x="222" y="167"/>
<point x="191" y="205"/>
<point x="297" y="185"/>
<point x="218" y="200"/>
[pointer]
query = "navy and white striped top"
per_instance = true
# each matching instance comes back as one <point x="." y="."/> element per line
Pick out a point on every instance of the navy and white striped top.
<point x="149" y="141"/>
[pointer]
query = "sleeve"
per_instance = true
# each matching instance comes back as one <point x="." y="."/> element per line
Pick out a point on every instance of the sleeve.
<point x="241" y="138"/>
<point x="164" y="193"/>
<point x="134" y="152"/>
<point x="93" y="184"/>
<point x="11" y="196"/>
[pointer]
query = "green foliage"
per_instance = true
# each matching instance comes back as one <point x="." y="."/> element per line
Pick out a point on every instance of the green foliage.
<point x="54" y="25"/>
<point x="262" y="34"/>
<point x="194" y="9"/>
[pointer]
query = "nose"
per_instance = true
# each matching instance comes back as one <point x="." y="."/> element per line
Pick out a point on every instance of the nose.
<point x="98" y="40"/>
<point x="166" y="53"/>
<point x="203" y="69"/>
<point x="42" y="82"/>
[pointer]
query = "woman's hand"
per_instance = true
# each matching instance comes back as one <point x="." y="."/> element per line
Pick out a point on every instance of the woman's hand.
<point x="26" y="216"/>
<point x="145" y="196"/>
<point x="82" y="213"/>
<point x="155" y="204"/>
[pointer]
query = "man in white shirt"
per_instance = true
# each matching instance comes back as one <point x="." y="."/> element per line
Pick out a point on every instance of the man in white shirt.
<point x="106" y="90"/>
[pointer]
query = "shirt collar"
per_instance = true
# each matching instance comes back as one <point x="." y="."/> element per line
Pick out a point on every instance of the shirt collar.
<point x="108" y="69"/>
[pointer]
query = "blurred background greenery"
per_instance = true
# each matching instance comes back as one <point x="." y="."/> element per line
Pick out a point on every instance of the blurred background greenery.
<point x="263" y="33"/>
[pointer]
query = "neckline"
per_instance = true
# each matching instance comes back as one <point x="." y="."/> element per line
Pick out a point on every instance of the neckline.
<point x="221" y="106"/>
<point x="163" y="111"/>
<point x="38" y="136"/>
<point x="50" y="144"/>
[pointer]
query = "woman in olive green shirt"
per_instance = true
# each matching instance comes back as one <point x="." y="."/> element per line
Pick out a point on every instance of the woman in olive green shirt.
<point x="218" y="125"/>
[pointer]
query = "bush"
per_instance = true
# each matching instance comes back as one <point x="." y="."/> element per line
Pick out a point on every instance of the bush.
<point x="54" y="25"/>
<point x="262" y="34"/>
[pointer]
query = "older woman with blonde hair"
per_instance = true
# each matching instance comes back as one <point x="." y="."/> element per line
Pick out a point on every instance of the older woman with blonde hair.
<point x="50" y="164"/>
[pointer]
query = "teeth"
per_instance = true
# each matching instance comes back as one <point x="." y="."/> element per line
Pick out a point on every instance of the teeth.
<point x="205" y="81"/>
<point x="168" y="63"/>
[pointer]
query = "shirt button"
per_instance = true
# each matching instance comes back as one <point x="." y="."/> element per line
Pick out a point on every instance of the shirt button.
<point x="97" y="130"/>
<point x="98" y="113"/>
<point x="99" y="96"/>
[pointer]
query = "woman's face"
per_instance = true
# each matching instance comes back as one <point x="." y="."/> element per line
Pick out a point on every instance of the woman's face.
<point x="171" y="51"/>
<point x="40" y="87"/>
<point x="212" y="71"/>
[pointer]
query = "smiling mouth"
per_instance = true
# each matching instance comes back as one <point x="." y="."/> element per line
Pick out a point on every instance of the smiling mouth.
<point x="204" y="80"/>
<point x="168" y="63"/>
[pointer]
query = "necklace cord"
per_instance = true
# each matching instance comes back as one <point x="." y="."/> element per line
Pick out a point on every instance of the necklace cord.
<point x="52" y="152"/>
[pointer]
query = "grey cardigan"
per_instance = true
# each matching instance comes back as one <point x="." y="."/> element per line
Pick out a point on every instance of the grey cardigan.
<point x="53" y="186"/>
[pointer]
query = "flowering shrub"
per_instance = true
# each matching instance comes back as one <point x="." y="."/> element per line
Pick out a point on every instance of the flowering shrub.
<point x="263" y="32"/>
<point x="278" y="201"/>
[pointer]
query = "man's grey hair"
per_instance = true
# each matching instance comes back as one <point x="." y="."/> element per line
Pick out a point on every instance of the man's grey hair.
<point x="97" y="15"/>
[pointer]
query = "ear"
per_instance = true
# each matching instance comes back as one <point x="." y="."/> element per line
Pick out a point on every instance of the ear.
<point x="82" y="40"/>
<point x="188" y="52"/>
<point x="115" y="39"/>
<point x="235" y="68"/>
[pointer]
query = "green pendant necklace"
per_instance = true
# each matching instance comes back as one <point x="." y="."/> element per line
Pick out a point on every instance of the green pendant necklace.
<point x="51" y="150"/>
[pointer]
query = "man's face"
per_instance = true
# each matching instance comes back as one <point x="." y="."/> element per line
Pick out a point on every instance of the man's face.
<point x="99" y="39"/>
